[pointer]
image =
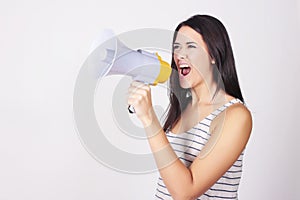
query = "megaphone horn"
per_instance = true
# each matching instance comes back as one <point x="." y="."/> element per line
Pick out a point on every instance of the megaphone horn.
<point x="110" y="56"/>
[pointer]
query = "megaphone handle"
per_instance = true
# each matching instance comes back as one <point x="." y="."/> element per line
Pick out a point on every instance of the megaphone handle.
<point x="131" y="109"/>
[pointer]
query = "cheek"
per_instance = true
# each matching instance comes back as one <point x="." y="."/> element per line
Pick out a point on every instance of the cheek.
<point x="176" y="57"/>
<point x="201" y="63"/>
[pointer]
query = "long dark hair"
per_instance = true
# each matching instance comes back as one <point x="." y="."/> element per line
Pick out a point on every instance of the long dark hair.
<point x="215" y="36"/>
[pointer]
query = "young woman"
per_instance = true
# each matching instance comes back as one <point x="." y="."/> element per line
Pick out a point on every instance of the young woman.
<point x="199" y="149"/>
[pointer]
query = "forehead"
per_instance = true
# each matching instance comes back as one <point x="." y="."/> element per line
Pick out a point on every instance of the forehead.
<point x="187" y="34"/>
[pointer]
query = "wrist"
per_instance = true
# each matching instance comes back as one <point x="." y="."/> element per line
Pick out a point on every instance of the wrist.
<point x="148" y="118"/>
<point x="151" y="124"/>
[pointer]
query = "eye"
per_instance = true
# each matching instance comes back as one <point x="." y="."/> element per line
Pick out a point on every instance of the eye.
<point x="192" y="46"/>
<point x="176" y="46"/>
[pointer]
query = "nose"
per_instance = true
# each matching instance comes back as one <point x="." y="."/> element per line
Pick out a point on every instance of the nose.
<point x="180" y="54"/>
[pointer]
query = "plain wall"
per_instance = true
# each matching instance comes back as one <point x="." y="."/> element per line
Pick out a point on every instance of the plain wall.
<point x="42" y="47"/>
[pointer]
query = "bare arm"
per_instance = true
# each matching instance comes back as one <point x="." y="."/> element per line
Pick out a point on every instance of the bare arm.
<point x="189" y="183"/>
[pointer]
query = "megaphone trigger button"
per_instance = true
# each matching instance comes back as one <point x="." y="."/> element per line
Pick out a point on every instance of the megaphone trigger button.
<point x="131" y="109"/>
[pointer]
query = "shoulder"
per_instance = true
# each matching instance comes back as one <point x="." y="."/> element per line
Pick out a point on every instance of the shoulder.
<point x="233" y="121"/>
<point x="235" y="113"/>
<point x="236" y="107"/>
<point x="238" y="112"/>
<point x="237" y="122"/>
<point x="231" y="131"/>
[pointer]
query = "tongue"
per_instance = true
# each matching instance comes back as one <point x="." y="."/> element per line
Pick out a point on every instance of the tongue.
<point x="185" y="71"/>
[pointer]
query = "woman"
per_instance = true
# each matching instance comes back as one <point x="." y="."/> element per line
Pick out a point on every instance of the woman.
<point x="199" y="150"/>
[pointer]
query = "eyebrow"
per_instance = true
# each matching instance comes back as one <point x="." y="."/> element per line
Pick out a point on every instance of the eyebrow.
<point x="186" y="43"/>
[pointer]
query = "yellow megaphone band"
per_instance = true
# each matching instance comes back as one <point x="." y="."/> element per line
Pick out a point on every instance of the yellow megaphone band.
<point x="165" y="71"/>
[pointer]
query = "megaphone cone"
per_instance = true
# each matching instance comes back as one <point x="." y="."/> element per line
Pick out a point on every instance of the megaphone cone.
<point x="110" y="56"/>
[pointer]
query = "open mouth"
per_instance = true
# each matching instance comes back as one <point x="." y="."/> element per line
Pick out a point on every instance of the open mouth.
<point x="184" y="69"/>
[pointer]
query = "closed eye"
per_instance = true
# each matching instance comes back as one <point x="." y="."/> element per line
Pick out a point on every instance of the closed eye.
<point x="176" y="46"/>
<point x="191" y="46"/>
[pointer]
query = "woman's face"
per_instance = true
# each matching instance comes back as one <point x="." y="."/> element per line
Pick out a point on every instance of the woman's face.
<point x="191" y="57"/>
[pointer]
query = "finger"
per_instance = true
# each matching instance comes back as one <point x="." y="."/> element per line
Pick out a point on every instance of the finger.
<point x="140" y="90"/>
<point x="134" y="99"/>
<point x="139" y="84"/>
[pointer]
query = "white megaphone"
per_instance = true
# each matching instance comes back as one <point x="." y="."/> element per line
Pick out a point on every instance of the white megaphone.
<point x="110" y="56"/>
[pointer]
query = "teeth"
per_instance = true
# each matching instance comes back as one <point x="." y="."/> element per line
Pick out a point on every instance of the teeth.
<point x="183" y="66"/>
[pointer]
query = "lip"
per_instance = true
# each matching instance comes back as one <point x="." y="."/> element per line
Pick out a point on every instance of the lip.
<point x="181" y="64"/>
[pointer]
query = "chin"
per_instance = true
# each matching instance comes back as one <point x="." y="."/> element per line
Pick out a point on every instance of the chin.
<point x="185" y="84"/>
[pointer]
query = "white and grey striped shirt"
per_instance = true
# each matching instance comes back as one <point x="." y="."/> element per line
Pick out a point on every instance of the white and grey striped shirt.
<point x="189" y="144"/>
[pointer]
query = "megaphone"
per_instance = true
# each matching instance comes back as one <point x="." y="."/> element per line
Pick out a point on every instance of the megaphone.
<point x="110" y="56"/>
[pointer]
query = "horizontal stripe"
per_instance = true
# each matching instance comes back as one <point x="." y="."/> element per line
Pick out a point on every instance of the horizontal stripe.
<point x="241" y="165"/>
<point x="229" y="184"/>
<point x="214" y="114"/>
<point x="220" y="110"/>
<point x="184" y="152"/>
<point x="215" y="196"/>
<point x="201" y="130"/>
<point x="222" y="190"/>
<point x="158" y="197"/>
<point x="185" y="139"/>
<point x="188" y="145"/>
<point x="234" y="171"/>
<point x="164" y="193"/>
<point x="231" y="177"/>
<point x="197" y="135"/>
<point x="201" y="123"/>
<point x="208" y="118"/>
<point x="184" y="159"/>
<point x="163" y="186"/>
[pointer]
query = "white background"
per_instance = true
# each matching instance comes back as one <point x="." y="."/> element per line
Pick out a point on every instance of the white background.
<point x="42" y="47"/>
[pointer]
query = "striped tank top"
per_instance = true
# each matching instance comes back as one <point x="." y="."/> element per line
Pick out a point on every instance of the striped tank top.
<point x="188" y="145"/>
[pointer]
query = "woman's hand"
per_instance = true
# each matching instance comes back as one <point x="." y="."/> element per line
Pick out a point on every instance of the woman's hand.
<point x="139" y="96"/>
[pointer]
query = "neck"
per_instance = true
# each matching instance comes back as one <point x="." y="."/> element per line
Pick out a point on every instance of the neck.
<point x="204" y="93"/>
